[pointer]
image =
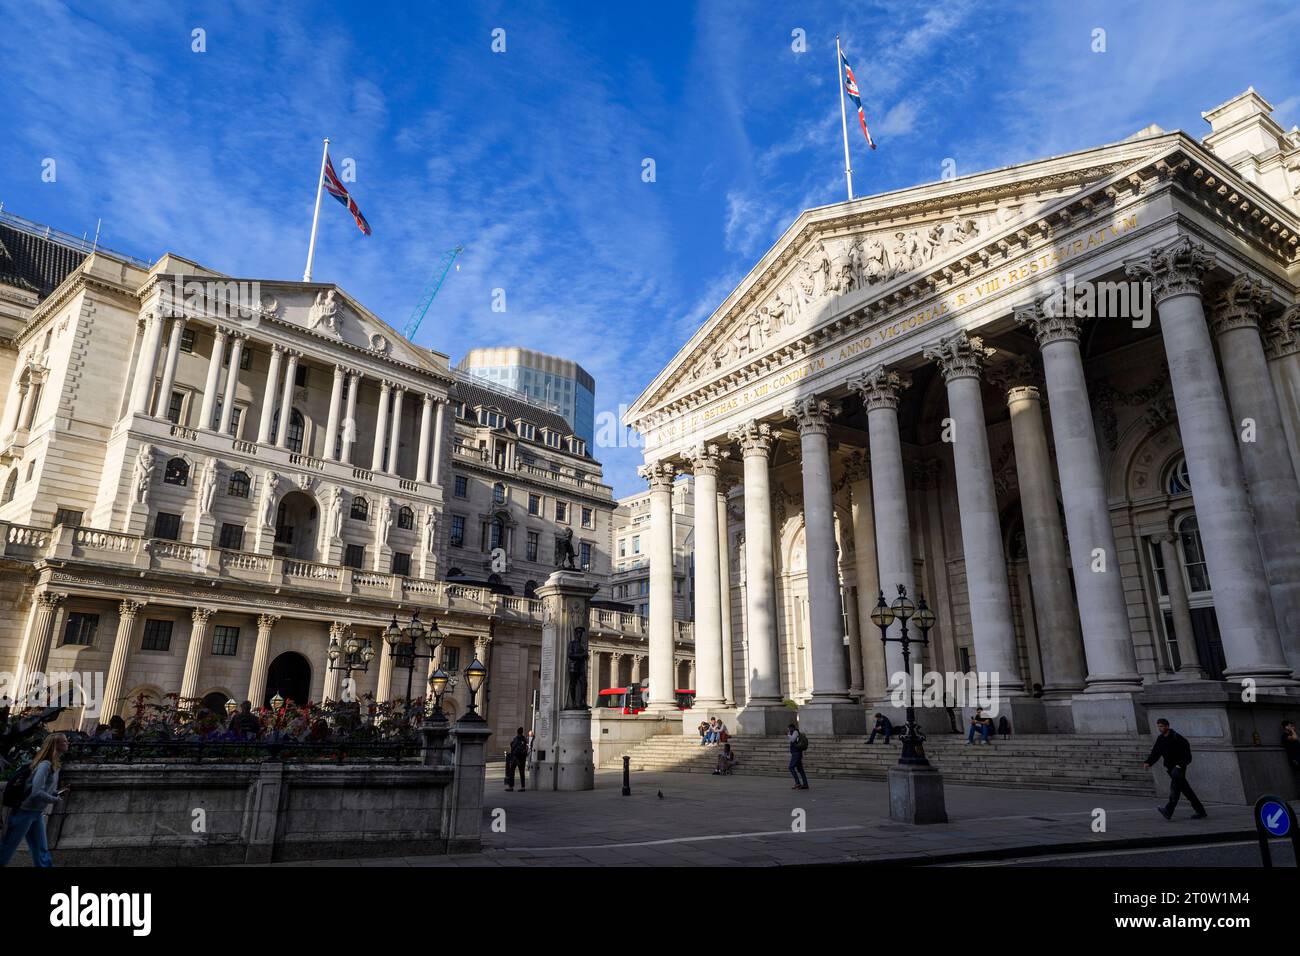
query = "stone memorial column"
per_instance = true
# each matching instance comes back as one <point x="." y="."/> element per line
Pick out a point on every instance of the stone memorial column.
<point x="565" y="760"/>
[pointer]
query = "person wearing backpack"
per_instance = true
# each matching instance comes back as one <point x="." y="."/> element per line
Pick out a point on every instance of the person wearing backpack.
<point x="34" y="798"/>
<point x="1176" y="752"/>
<point x="517" y="759"/>
<point x="798" y="744"/>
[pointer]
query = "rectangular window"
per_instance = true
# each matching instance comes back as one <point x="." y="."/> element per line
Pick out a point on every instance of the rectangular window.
<point x="534" y="504"/>
<point x="622" y="547"/>
<point x="175" y="407"/>
<point x="450" y="660"/>
<point x="68" y="517"/>
<point x="534" y="540"/>
<point x="457" y="531"/>
<point x="157" y="636"/>
<point x="300" y="376"/>
<point x="401" y="563"/>
<point x="584" y="555"/>
<point x="225" y="640"/>
<point x="562" y="511"/>
<point x="167" y="526"/>
<point x="80" y="628"/>
<point x="232" y="537"/>
<point x="187" y="340"/>
<point x="588" y="518"/>
<point x="527" y="431"/>
<point x="461" y="488"/>
<point x="355" y="557"/>
<point x="245" y="359"/>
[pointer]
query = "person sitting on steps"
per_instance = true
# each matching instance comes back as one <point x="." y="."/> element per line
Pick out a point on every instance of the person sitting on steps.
<point x="981" y="724"/>
<point x="726" y="761"/>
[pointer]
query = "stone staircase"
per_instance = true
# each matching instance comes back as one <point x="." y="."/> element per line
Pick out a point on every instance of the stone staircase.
<point x="1106" y="764"/>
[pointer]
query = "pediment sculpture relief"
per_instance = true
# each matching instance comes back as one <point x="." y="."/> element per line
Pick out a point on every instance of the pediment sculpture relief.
<point x="326" y="314"/>
<point x="836" y="267"/>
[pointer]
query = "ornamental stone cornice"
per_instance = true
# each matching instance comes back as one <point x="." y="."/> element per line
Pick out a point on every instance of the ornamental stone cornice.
<point x="705" y="460"/>
<point x="959" y="356"/>
<point x="659" y="475"/>
<point x="1240" y="306"/>
<point x="754" y="438"/>
<point x="812" y="414"/>
<point x="1173" y="269"/>
<point x="880" y="388"/>
<point x="1048" y="328"/>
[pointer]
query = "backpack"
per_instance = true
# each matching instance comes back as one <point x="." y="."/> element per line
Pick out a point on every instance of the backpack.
<point x="801" y="742"/>
<point x="17" y="787"/>
<point x="520" y="749"/>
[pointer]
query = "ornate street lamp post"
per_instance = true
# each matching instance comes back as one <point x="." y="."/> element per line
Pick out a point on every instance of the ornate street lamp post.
<point x="475" y="675"/>
<point x="904" y="610"/>
<point x="354" y="654"/>
<point x="404" y="645"/>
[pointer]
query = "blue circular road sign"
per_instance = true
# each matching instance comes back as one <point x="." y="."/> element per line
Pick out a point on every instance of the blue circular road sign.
<point x="1275" y="818"/>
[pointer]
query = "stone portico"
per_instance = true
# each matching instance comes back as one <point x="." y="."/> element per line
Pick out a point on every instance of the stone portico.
<point x="1060" y="400"/>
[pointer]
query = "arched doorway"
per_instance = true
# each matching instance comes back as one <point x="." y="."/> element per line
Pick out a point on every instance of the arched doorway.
<point x="289" y="676"/>
<point x="295" y="526"/>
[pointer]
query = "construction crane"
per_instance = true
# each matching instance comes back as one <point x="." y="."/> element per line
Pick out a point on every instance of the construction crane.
<point x="430" y="290"/>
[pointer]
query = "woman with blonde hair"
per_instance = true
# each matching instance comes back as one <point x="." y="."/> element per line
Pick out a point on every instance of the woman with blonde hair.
<point x="40" y="796"/>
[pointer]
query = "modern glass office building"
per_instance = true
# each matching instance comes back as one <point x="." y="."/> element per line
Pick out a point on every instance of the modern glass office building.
<point x="547" y="378"/>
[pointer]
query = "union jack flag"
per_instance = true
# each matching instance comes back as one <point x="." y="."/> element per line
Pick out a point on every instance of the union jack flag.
<point x="334" y="186"/>
<point x="851" y="88"/>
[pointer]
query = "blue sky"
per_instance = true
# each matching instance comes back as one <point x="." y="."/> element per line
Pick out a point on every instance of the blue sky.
<point x="533" y="157"/>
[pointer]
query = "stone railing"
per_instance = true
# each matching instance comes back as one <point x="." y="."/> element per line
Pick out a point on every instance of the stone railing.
<point x="126" y="551"/>
<point x="583" y="484"/>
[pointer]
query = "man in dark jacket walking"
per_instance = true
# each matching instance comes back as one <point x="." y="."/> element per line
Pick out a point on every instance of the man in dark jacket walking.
<point x="1176" y="752"/>
<point x="517" y="759"/>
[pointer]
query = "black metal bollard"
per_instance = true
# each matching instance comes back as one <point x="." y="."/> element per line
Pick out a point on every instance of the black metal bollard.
<point x="627" y="776"/>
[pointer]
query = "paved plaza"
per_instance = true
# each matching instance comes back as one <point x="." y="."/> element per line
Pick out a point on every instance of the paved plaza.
<point x="703" y="820"/>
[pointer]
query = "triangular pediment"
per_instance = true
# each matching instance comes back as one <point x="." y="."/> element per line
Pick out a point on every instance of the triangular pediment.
<point x="834" y="258"/>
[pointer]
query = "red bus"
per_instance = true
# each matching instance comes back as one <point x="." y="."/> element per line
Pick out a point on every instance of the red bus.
<point x="632" y="700"/>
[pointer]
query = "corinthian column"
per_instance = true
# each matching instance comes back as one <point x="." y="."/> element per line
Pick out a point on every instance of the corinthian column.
<point x="36" y="653"/>
<point x="169" y="368"/>
<point x="286" y="400"/>
<point x="705" y="462"/>
<point x="831" y="710"/>
<point x="1049" y="564"/>
<point x="212" y="382"/>
<point x="867" y="575"/>
<point x="399" y="394"/>
<point x="422" y="452"/>
<point x="660" y="476"/>
<point x="335" y="412"/>
<point x="200" y="628"/>
<point x="1265" y="456"/>
<point x="880" y="390"/>
<point x="381" y="426"/>
<point x="146" y="362"/>
<point x="268" y="395"/>
<point x="232" y="380"/>
<point x="724" y="578"/>
<point x="334" y="676"/>
<point x="762" y="713"/>
<point x="961" y="360"/>
<point x="1241" y="595"/>
<point x="261" y="659"/>
<point x="126" y="615"/>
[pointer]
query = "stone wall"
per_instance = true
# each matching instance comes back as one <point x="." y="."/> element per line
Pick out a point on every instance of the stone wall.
<point x="186" y="814"/>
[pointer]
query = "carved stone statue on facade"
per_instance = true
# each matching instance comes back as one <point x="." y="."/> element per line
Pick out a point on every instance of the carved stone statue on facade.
<point x="269" y="486"/>
<point x="143" y="473"/>
<point x="430" y="529"/>
<point x="384" y="521"/>
<point x="568" y="558"/>
<point x="336" y="513"/>
<point x="324" y="313"/>
<point x="903" y="254"/>
<point x="208" y="488"/>
<point x="577" y="668"/>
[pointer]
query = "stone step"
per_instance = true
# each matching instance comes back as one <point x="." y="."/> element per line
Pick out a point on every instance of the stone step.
<point x="1105" y="764"/>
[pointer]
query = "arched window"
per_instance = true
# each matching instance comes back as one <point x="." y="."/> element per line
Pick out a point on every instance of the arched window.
<point x="497" y="534"/>
<point x="360" y="508"/>
<point x="11" y="486"/>
<point x="499" y="493"/>
<point x="1178" y="481"/>
<point x="293" y="437"/>
<point x="405" y="518"/>
<point x="1198" y="575"/>
<point x="177" y="472"/>
<point x="238" y="485"/>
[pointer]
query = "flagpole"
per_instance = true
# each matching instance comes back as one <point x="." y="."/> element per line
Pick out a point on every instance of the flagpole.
<point x="844" y="121"/>
<point x="315" y="216"/>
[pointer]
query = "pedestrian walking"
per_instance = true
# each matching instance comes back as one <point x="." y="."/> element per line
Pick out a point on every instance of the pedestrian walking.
<point x="517" y="759"/>
<point x="1176" y="752"/>
<point x="798" y="744"/>
<point x="37" y="798"/>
